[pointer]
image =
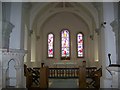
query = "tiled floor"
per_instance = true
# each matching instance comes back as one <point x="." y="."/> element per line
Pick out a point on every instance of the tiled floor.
<point x="63" y="83"/>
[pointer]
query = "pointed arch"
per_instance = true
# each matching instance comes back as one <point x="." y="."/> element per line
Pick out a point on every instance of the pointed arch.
<point x="80" y="45"/>
<point x="50" y="45"/>
<point x="65" y="44"/>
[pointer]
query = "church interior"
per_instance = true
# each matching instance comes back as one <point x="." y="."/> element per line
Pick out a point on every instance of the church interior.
<point x="59" y="45"/>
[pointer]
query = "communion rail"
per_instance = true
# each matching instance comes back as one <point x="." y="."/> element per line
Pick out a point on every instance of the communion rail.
<point x="65" y="72"/>
<point x="34" y="74"/>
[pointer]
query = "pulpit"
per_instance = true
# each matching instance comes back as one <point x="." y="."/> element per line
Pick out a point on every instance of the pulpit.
<point x="115" y="71"/>
<point x="12" y="68"/>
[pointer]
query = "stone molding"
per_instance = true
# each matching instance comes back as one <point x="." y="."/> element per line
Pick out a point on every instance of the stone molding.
<point x="17" y="56"/>
<point x="6" y="30"/>
<point x="13" y="51"/>
<point x="114" y="25"/>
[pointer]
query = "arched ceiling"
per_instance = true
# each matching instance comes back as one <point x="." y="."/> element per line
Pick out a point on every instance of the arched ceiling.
<point x="40" y="12"/>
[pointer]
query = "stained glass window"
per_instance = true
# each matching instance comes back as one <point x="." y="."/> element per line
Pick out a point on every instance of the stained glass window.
<point x="50" y="45"/>
<point x="65" y="45"/>
<point x="80" y="42"/>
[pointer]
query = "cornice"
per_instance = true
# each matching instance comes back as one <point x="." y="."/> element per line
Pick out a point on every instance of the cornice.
<point x="114" y="24"/>
<point x="7" y="27"/>
<point x="13" y="51"/>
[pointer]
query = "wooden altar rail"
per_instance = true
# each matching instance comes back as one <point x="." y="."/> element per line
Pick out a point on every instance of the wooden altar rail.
<point x="67" y="72"/>
<point x="63" y="73"/>
<point x="40" y="76"/>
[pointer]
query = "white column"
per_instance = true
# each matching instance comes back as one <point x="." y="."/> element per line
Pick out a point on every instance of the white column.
<point x="114" y="25"/>
<point x="0" y="24"/>
<point x="33" y="48"/>
<point x="119" y="40"/>
<point x="38" y="55"/>
<point x="29" y="50"/>
<point x="16" y="37"/>
<point x="4" y="68"/>
<point x="0" y="71"/>
<point x="6" y="30"/>
<point x="27" y="35"/>
<point x="96" y="59"/>
<point x="107" y="44"/>
<point x="0" y="45"/>
<point x="19" y="77"/>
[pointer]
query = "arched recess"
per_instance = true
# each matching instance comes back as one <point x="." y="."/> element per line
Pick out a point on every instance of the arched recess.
<point x="11" y="74"/>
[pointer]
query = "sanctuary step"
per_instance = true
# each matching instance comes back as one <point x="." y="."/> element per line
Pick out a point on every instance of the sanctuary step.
<point x="63" y="83"/>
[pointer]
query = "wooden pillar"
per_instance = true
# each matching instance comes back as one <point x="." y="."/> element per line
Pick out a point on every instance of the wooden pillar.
<point x="44" y="77"/>
<point x="28" y="77"/>
<point x="82" y="75"/>
<point x="29" y="80"/>
<point x="97" y="81"/>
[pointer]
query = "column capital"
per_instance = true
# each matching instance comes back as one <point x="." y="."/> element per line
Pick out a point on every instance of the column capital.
<point x="7" y="28"/>
<point x="114" y="25"/>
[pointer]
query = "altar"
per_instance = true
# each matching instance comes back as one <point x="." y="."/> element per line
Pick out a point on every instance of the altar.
<point x="65" y="64"/>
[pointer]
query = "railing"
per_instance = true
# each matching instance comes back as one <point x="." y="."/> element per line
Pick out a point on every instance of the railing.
<point x="59" y="73"/>
<point x="66" y="72"/>
<point x="63" y="73"/>
<point x="90" y="71"/>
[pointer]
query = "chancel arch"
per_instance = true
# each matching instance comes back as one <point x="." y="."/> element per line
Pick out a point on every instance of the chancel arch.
<point x="79" y="10"/>
<point x="58" y="22"/>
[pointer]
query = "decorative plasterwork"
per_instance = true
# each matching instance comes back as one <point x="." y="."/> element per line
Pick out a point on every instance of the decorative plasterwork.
<point x="8" y="54"/>
<point x="114" y="25"/>
<point x="17" y="55"/>
<point x="12" y="51"/>
<point x="6" y="30"/>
